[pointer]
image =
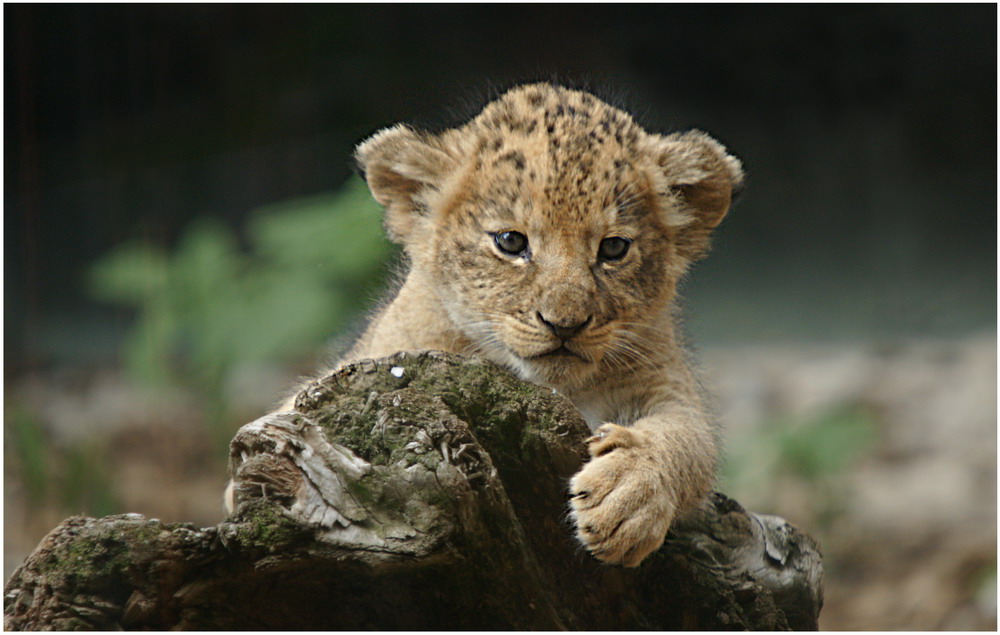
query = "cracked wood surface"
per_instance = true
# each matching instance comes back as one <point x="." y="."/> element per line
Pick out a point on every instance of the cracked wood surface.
<point x="412" y="492"/>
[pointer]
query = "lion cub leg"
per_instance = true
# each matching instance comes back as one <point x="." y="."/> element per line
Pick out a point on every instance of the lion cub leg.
<point x="637" y="481"/>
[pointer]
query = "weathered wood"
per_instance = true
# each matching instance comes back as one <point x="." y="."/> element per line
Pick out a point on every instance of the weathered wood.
<point x="413" y="492"/>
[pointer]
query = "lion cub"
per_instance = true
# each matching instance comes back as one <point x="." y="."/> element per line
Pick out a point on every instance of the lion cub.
<point x="548" y="235"/>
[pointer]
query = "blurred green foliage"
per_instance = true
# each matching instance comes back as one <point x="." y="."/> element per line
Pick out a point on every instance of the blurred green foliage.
<point x="25" y="448"/>
<point x="984" y="584"/>
<point x="79" y="475"/>
<point x="209" y="307"/>
<point x="87" y="479"/>
<point x="817" y="450"/>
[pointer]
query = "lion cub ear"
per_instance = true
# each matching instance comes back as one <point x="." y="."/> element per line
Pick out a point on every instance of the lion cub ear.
<point x="703" y="177"/>
<point x="404" y="169"/>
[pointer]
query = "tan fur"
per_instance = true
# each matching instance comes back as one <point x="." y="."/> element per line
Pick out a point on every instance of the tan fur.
<point x="567" y="171"/>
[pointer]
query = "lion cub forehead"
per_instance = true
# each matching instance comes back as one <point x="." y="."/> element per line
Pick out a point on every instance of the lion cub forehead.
<point x="562" y="147"/>
<point x="522" y="109"/>
<point x="556" y="121"/>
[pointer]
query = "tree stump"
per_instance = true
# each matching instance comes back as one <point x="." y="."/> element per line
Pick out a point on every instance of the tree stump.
<point x="419" y="492"/>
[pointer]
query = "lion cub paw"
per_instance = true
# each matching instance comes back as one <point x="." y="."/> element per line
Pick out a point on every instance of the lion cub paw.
<point x="620" y="499"/>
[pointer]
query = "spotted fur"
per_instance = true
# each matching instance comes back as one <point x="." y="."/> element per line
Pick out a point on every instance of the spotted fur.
<point x="565" y="170"/>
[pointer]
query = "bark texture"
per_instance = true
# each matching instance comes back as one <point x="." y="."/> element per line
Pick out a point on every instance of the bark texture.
<point x="413" y="492"/>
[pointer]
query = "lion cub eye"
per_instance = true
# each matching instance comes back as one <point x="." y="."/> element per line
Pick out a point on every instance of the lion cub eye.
<point x="511" y="243"/>
<point x="613" y="248"/>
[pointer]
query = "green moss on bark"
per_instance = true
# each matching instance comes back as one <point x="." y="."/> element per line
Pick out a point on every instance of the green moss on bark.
<point x="265" y="527"/>
<point x="497" y="407"/>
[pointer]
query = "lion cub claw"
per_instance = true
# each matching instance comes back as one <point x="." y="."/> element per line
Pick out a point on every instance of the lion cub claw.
<point x="619" y="499"/>
<point x="610" y="436"/>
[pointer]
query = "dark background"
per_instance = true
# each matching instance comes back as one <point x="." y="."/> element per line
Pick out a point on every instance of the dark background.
<point x="846" y="319"/>
<point x="868" y="133"/>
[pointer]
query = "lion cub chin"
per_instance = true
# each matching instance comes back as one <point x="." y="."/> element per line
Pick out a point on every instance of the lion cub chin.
<point x="548" y="235"/>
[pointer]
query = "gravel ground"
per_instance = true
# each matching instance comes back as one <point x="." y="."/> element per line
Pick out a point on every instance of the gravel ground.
<point x="909" y="537"/>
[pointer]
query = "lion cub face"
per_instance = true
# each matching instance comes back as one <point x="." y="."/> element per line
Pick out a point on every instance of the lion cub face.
<point x="552" y="228"/>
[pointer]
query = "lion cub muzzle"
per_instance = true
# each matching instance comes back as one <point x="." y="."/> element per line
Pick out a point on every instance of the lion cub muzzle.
<point x="566" y="309"/>
<point x="564" y="330"/>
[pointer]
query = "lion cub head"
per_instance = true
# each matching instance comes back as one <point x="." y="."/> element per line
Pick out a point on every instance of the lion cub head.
<point x="552" y="228"/>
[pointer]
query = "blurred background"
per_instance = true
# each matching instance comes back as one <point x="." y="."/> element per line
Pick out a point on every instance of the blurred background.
<point x="183" y="236"/>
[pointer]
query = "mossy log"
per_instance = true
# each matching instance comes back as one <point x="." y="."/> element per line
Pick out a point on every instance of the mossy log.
<point x="417" y="492"/>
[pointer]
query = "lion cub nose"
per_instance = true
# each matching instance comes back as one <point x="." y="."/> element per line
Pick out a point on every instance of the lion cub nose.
<point x="564" y="329"/>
